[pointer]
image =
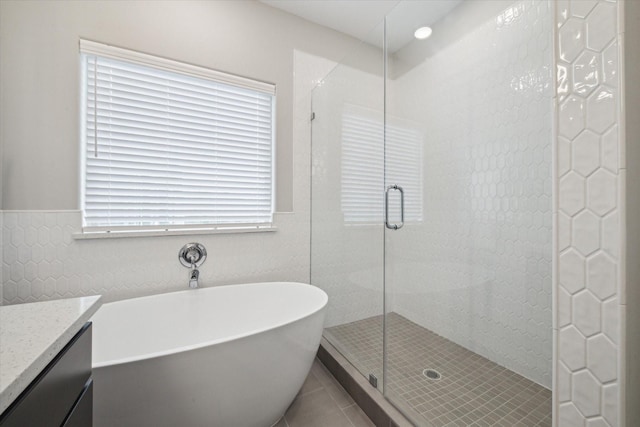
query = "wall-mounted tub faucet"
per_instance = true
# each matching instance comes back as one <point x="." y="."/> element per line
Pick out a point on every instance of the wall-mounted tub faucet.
<point x="193" y="255"/>
<point x="193" y="281"/>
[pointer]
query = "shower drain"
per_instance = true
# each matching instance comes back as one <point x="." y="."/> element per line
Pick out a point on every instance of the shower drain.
<point x="431" y="374"/>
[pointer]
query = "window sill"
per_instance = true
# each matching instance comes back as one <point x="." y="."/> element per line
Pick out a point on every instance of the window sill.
<point x="88" y="235"/>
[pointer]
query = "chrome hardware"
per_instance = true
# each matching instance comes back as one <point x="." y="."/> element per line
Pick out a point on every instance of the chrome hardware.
<point x="193" y="280"/>
<point x="386" y="208"/>
<point x="193" y="255"/>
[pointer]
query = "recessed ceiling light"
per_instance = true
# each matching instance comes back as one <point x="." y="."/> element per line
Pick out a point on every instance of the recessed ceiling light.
<point x="422" y="33"/>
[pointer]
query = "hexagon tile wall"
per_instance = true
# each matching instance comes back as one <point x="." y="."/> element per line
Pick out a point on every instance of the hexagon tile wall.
<point x="43" y="261"/>
<point x="588" y="245"/>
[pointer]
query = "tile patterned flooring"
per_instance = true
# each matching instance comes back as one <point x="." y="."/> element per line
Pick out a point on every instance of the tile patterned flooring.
<point x="322" y="402"/>
<point x="473" y="390"/>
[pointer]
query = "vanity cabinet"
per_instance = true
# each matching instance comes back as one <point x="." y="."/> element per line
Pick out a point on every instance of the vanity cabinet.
<point x="62" y="394"/>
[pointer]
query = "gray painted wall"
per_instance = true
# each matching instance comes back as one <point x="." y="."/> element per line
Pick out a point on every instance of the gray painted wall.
<point x="632" y="306"/>
<point x="39" y="68"/>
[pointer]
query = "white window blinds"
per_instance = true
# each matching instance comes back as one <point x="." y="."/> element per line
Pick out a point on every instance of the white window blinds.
<point x="363" y="165"/>
<point x="170" y="144"/>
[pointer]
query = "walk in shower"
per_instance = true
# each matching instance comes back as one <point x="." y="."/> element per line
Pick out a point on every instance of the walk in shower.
<point x="431" y="223"/>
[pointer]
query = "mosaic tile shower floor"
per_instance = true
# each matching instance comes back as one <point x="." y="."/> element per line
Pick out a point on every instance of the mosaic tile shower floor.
<point x="472" y="390"/>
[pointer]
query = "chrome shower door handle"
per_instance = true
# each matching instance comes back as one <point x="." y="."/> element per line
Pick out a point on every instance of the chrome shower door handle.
<point x="386" y="207"/>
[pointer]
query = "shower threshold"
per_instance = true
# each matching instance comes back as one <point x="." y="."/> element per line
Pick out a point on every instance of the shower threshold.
<point x="470" y="391"/>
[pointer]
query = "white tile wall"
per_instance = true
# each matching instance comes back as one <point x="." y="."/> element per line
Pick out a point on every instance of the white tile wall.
<point x="477" y="270"/>
<point x="588" y="246"/>
<point x="42" y="260"/>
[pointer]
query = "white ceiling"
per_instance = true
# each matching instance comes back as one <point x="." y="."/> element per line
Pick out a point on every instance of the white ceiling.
<point x="359" y="18"/>
<point x="354" y="17"/>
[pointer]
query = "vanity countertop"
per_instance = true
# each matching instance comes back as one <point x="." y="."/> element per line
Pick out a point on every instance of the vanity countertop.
<point x="31" y="335"/>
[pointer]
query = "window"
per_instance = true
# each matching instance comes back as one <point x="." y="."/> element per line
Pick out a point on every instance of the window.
<point x="363" y="165"/>
<point x="170" y="145"/>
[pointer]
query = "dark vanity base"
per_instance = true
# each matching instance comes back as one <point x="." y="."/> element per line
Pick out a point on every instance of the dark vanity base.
<point x="61" y="395"/>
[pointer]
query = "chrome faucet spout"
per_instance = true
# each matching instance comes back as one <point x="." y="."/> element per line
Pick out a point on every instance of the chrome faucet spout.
<point x="193" y="280"/>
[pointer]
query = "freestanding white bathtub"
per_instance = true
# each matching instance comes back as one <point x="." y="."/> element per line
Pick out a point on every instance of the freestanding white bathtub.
<point x="216" y="357"/>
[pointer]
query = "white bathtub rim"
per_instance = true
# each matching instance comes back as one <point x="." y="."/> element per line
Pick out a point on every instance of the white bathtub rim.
<point x="207" y="343"/>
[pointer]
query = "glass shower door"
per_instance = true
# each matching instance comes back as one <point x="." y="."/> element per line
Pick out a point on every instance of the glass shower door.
<point x="468" y="231"/>
<point x="347" y="238"/>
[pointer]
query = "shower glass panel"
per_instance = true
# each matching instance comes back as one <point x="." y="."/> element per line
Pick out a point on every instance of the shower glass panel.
<point x="347" y="238"/>
<point x="431" y="216"/>
<point x="468" y="276"/>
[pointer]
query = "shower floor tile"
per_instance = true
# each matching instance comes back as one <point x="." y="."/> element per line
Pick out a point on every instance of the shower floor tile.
<point x="472" y="390"/>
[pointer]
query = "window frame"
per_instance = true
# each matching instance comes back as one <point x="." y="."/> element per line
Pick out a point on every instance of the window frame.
<point x="88" y="47"/>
